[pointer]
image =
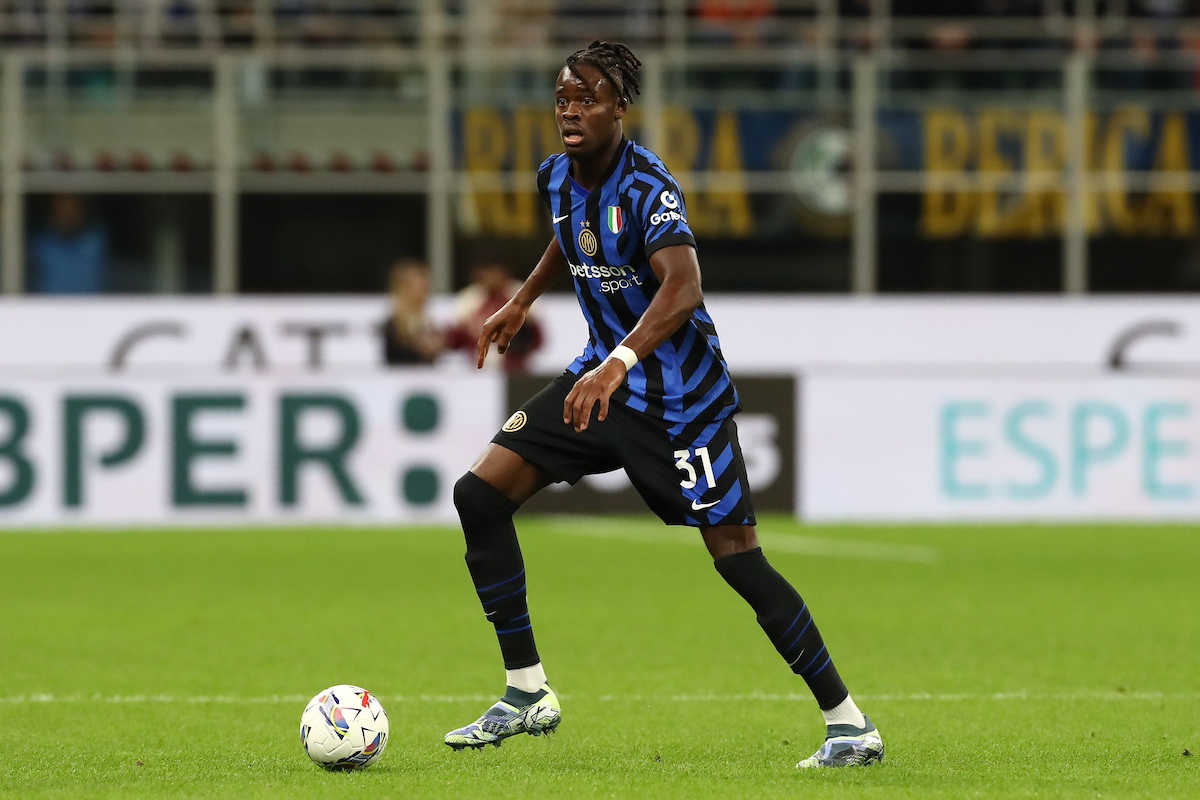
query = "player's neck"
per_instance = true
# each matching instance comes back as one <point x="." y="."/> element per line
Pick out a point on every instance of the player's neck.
<point x="590" y="172"/>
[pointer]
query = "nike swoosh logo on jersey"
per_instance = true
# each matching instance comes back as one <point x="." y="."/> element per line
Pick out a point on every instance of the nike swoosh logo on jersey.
<point x="701" y="506"/>
<point x="560" y="219"/>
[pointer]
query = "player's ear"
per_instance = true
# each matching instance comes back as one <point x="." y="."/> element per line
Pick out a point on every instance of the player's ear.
<point x="622" y="107"/>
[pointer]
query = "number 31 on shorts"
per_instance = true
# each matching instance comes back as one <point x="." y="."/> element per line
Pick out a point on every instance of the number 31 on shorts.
<point x="683" y="463"/>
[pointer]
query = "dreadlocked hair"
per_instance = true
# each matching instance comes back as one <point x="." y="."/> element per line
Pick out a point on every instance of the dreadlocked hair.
<point x="616" y="61"/>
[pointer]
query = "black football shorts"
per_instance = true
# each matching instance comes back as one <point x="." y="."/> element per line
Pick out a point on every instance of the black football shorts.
<point x="696" y="477"/>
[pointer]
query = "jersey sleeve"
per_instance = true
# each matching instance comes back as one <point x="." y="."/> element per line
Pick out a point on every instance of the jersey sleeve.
<point x="543" y="180"/>
<point x="663" y="213"/>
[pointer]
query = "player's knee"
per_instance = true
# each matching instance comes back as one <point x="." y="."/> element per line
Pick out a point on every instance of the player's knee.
<point x="469" y="499"/>
<point x="477" y="501"/>
<point x="730" y="540"/>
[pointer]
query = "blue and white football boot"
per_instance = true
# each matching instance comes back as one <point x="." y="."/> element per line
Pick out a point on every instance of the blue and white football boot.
<point x="847" y="746"/>
<point x="534" y="713"/>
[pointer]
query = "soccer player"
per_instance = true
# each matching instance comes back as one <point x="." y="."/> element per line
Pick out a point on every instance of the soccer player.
<point x="651" y="393"/>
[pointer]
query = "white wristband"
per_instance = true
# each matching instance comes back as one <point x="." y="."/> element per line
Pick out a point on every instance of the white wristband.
<point x="625" y="355"/>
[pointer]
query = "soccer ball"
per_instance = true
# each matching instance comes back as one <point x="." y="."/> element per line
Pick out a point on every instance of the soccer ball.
<point x="344" y="728"/>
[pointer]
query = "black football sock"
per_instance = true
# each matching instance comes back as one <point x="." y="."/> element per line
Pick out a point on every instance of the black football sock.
<point x="495" y="563"/>
<point x="784" y="617"/>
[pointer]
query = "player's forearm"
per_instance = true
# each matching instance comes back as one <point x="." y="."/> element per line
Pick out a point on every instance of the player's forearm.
<point x="673" y="304"/>
<point x="550" y="267"/>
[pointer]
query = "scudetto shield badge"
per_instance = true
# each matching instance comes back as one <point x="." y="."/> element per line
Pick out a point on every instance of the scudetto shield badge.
<point x="616" y="219"/>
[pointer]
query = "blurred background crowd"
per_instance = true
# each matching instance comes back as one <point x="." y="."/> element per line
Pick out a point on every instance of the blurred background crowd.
<point x="917" y="24"/>
<point x="282" y="146"/>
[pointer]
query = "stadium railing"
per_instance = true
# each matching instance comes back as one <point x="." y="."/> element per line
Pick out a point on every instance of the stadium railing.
<point x="213" y="25"/>
<point x="235" y="97"/>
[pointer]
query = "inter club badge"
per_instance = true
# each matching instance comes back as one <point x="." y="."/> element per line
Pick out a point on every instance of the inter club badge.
<point x="587" y="242"/>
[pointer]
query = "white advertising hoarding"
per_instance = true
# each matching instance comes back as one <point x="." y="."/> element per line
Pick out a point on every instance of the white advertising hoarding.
<point x="946" y="448"/>
<point x="138" y="333"/>
<point x="378" y="449"/>
<point x="934" y="409"/>
<point x="764" y="334"/>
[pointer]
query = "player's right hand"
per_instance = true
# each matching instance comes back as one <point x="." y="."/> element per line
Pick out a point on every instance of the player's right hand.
<point x="500" y="328"/>
<point x="595" y="387"/>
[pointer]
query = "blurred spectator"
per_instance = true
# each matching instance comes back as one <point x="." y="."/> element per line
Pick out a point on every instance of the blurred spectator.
<point x="857" y="11"/>
<point x="492" y="285"/>
<point x="629" y="21"/>
<point x="408" y="335"/>
<point x="1152" y="47"/>
<point x="1017" y="13"/>
<point x="506" y="23"/>
<point x="188" y="23"/>
<point x="25" y="23"/>
<point x="238" y="22"/>
<point x="69" y="254"/>
<point x="528" y="24"/>
<point x="744" y="23"/>
<point x="951" y="30"/>
<point x="947" y="30"/>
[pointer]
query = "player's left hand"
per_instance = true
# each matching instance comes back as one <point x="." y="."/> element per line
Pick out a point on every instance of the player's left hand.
<point x="596" y="386"/>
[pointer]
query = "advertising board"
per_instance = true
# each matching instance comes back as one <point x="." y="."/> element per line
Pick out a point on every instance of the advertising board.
<point x="159" y="411"/>
<point x="761" y="334"/>
<point x="945" y="448"/>
<point x="381" y="449"/>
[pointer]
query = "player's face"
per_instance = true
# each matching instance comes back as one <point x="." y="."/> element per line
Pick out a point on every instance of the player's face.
<point x="588" y="111"/>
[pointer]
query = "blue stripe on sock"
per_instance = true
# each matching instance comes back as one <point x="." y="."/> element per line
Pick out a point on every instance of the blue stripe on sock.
<point x="814" y="660"/>
<point x="803" y="608"/>
<point x="799" y="636"/>
<point x="487" y="603"/>
<point x="513" y="630"/>
<point x="828" y="661"/>
<point x="483" y="589"/>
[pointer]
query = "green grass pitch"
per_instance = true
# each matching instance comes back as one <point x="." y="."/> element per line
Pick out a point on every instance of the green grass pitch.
<point x="1016" y="661"/>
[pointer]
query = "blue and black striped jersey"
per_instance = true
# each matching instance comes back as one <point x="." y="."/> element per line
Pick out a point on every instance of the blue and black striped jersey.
<point x="608" y="236"/>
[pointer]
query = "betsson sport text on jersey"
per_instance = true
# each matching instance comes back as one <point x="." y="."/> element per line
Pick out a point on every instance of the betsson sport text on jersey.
<point x="626" y="276"/>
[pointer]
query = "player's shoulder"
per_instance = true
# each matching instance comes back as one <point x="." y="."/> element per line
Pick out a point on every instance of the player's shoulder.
<point x="645" y="160"/>
<point x="643" y="166"/>
<point x="545" y="176"/>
